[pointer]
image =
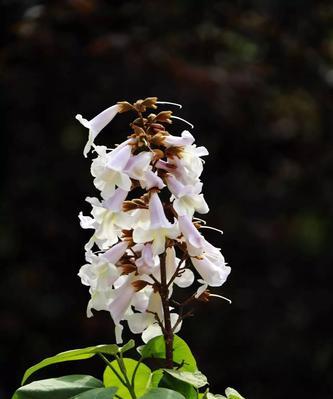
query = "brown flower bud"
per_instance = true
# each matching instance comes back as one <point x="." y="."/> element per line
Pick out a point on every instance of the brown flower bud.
<point x="129" y="206"/>
<point x="170" y="165"/>
<point x="158" y="138"/>
<point x="197" y="224"/>
<point x="204" y="297"/>
<point x="156" y="127"/>
<point x="138" y="131"/>
<point x="150" y="102"/>
<point x="127" y="235"/>
<point x="174" y="152"/>
<point x="125" y="106"/>
<point x="142" y="105"/>
<point x="158" y="154"/>
<point x="139" y="284"/>
<point x="128" y="268"/>
<point x="164" y="116"/>
<point x="169" y="243"/>
<point x="140" y="202"/>
<point x="145" y="198"/>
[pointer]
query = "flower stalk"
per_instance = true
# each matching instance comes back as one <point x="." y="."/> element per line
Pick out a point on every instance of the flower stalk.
<point x="146" y="241"/>
<point x="167" y="332"/>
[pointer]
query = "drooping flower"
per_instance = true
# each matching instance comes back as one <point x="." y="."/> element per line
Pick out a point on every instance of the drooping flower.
<point x="206" y="258"/>
<point x="151" y="180"/>
<point x="188" y="198"/>
<point x="126" y="294"/>
<point x="123" y="296"/>
<point x="108" y="169"/>
<point x="159" y="229"/>
<point x="138" y="165"/>
<point x="189" y="166"/>
<point x="136" y="233"/>
<point x="194" y="240"/>
<point x="185" y="276"/>
<point x="96" y="124"/>
<point x="212" y="267"/>
<point x="100" y="273"/>
<point x="108" y="224"/>
<point x="176" y="141"/>
<point x="115" y="202"/>
<point x="147" y="262"/>
<point x="146" y="323"/>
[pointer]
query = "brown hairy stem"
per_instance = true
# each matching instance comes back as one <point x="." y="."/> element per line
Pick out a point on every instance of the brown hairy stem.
<point x="157" y="318"/>
<point x="167" y="332"/>
<point x="178" y="268"/>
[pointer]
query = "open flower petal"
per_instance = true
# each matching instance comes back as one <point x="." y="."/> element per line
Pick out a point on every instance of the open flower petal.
<point x="174" y="141"/>
<point x="213" y="273"/>
<point x="96" y="124"/>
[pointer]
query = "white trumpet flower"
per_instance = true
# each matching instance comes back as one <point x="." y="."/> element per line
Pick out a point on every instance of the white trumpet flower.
<point x="146" y="323"/>
<point x="106" y="223"/>
<point x="147" y="262"/>
<point x="187" y="197"/>
<point x="192" y="237"/>
<point x="151" y="180"/>
<point x="138" y="165"/>
<point x="96" y="124"/>
<point x="174" y="141"/>
<point x="190" y="165"/>
<point x="100" y="274"/>
<point x="125" y="295"/>
<point x="212" y="269"/>
<point x="108" y="170"/>
<point x="160" y="228"/>
<point x="122" y="299"/>
<point x="185" y="277"/>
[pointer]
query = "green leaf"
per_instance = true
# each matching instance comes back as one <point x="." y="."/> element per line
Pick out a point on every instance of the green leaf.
<point x="156" y="378"/>
<point x="233" y="394"/>
<point x="141" y="382"/>
<point x="98" y="393"/>
<point x="230" y="393"/>
<point x="75" y="354"/>
<point x="197" y="379"/>
<point x="130" y="344"/>
<point x="58" y="388"/>
<point x="139" y="349"/>
<point x="162" y="393"/>
<point x="209" y="395"/>
<point x="182" y="387"/>
<point x="182" y="354"/>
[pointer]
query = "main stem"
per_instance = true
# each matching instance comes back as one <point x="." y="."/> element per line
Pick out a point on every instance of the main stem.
<point x="167" y="333"/>
<point x="164" y="293"/>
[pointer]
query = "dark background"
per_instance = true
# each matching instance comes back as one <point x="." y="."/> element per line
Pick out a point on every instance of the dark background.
<point x="256" y="79"/>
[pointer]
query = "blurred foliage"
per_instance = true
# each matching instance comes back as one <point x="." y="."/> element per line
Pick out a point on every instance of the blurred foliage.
<point x="256" y="79"/>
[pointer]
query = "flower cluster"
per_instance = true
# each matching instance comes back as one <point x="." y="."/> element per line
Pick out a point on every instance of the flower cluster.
<point x="145" y="237"/>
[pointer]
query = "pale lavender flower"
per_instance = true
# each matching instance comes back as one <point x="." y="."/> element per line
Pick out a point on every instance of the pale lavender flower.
<point x="160" y="228"/>
<point x="188" y="198"/>
<point x="176" y="141"/>
<point x="96" y="124"/>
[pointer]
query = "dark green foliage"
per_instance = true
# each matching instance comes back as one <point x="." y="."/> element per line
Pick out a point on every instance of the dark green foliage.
<point x="67" y="387"/>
